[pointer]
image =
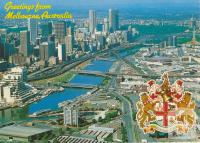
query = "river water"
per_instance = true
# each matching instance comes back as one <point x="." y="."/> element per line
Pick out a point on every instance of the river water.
<point x="51" y="101"/>
<point x="71" y="93"/>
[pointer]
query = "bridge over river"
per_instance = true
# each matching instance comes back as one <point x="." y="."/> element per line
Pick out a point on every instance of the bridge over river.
<point x="83" y="86"/>
<point x="94" y="73"/>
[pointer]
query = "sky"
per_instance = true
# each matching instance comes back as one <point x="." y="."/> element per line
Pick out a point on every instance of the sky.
<point x="76" y="3"/>
<point x="119" y="4"/>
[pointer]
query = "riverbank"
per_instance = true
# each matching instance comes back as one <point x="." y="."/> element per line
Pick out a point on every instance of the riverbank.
<point x="53" y="99"/>
<point x="42" y="94"/>
<point x="76" y="101"/>
<point x="65" y="77"/>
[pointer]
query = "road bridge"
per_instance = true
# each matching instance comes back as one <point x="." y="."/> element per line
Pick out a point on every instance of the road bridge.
<point x="83" y="86"/>
<point x="105" y="59"/>
<point x="94" y="73"/>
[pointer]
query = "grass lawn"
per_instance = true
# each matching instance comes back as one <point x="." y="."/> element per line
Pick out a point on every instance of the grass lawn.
<point x="58" y="79"/>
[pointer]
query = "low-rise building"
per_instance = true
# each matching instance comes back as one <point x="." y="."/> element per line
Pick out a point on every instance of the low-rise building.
<point x="70" y="139"/>
<point x="22" y="133"/>
<point x="100" y="132"/>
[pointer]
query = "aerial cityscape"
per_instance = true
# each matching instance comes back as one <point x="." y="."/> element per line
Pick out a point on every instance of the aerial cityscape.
<point x="111" y="74"/>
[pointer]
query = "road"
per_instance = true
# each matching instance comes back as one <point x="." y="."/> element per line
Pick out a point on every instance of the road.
<point x="134" y="134"/>
<point x="127" y="109"/>
<point x="127" y="118"/>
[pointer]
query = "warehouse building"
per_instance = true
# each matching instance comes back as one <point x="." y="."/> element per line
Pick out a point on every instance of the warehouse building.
<point x="24" y="134"/>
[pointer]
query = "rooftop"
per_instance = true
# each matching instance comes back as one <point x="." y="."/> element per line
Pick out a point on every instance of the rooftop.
<point x="21" y="131"/>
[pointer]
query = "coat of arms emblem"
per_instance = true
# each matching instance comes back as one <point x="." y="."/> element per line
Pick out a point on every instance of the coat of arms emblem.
<point x="166" y="108"/>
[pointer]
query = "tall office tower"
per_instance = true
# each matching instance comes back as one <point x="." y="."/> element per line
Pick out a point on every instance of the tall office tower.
<point x="33" y="28"/>
<point x="2" y="46"/>
<point x="175" y="43"/>
<point x="69" y="43"/>
<point x="180" y="52"/>
<point x="193" y="23"/>
<point x="113" y="20"/>
<point x="61" y="52"/>
<point x="170" y="41"/>
<point x="7" y="45"/>
<point x="59" y="30"/>
<point x="70" y="116"/>
<point x="46" y="29"/>
<point x="47" y="50"/>
<point x="2" y="49"/>
<point x="105" y="25"/>
<point x="25" y="48"/>
<point x="70" y="31"/>
<point x="92" y="21"/>
<point x="101" y="40"/>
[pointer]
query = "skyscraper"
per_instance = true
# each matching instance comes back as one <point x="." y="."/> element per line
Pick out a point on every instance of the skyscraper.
<point x="46" y="29"/>
<point x="3" y="47"/>
<point x="47" y="49"/>
<point x="113" y="20"/>
<point x="70" y="31"/>
<point x="33" y="28"/>
<point x="61" y="52"/>
<point x="60" y="30"/>
<point x="69" y="43"/>
<point x="92" y="21"/>
<point x="105" y="25"/>
<point x="175" y="43"/>
<point x="25" y="48"/>
<point x="172" y="41"/>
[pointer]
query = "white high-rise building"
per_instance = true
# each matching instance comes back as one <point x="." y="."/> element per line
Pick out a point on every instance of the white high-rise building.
<point x="92" y="21"/>
<point x="33" y="28"/>
<point x="105" y="25"/>
<point x="71" y="116"/>
<point x="61" y="52"/>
